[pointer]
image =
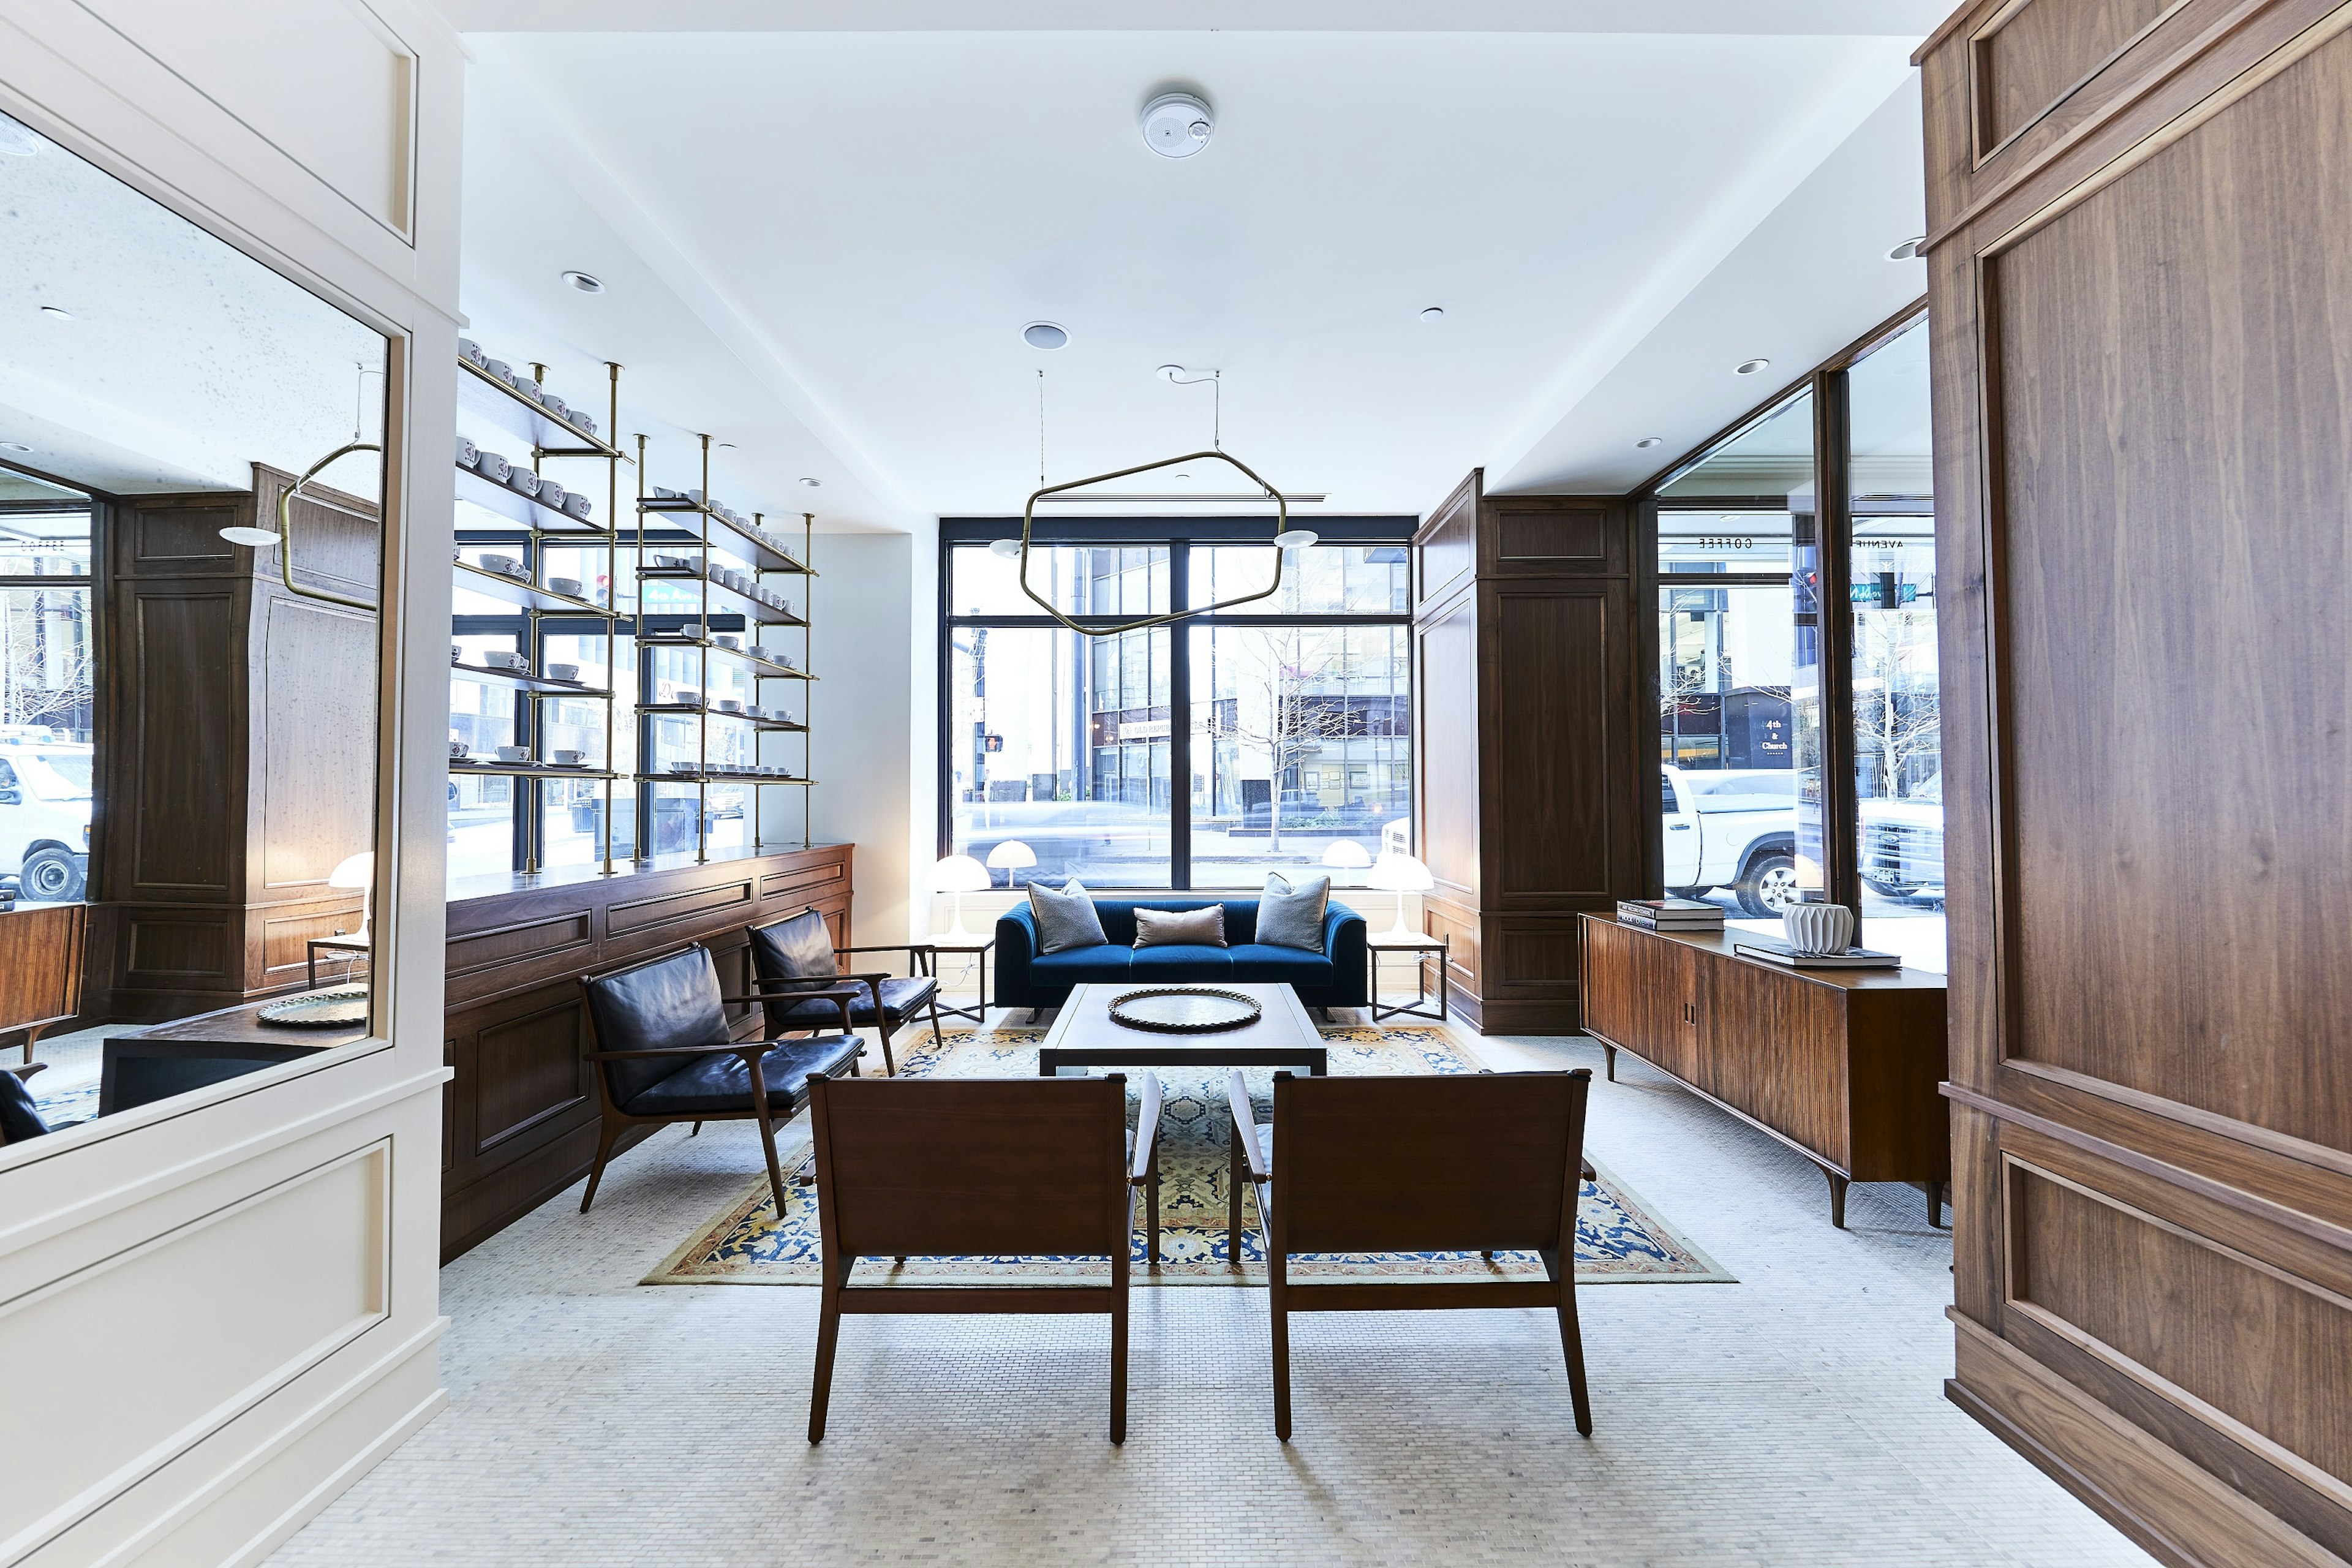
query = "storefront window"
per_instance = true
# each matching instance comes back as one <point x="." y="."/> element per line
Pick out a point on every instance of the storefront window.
<point x="1897" y="719"/>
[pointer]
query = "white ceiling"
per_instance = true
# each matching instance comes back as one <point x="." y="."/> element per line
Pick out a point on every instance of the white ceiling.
<point x="823" y="236"/>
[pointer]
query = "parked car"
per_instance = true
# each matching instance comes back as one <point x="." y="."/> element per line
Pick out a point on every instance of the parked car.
<point x="1902" y="844"/>
<point x="45" y="797"/>
<point x="1736" y="828"/>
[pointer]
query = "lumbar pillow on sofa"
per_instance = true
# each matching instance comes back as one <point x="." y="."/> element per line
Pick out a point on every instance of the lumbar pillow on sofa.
<point x="1186" y="928"/>
<point x="1065" y="920"/>
<point x="1290" y="914"/>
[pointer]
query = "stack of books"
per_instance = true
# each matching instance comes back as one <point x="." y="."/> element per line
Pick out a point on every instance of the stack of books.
<point x="1772" y="950"/>
<point x="1670" y="914"/>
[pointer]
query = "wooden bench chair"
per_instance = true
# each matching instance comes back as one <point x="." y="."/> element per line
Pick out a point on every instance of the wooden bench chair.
<point x="958" y="1168"/>
<point x="793" y="959"/>
<point x="1483" y="1162"/>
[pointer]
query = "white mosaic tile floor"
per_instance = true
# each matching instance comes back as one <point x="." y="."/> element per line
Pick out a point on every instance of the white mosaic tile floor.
<point x="1796" y="1418"/>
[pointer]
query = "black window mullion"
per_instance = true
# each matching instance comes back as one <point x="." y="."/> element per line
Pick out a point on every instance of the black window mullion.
<point x="1180" y="719"/>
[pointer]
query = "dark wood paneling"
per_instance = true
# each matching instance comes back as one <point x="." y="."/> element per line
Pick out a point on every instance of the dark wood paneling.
<point x="522" y="1108"/>
<point x="2262" y="829"/>
<point x="1557" y="702"/>
<point x="1526" y="695"/>
<point x="1445" y="547"/>
<point x="528" y="1068"/>
<point x="184" y="743"/>
<point x="2142" y="380"/>
<point x="2033" y="55"/>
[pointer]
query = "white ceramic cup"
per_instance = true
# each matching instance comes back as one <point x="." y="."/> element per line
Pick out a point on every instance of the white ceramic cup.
<point x="457" y="750"/>
<point x="562" y="672"/>
<point x="569" y="758"/>
<point x="1815" y="930"/>
<point x="514" y="753"/>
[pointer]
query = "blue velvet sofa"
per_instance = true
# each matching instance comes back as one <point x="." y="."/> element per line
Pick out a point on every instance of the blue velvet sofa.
<point x="1332" y="978"/>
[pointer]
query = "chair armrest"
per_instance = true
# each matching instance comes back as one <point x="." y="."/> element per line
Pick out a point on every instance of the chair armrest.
<point x="1245" y="1127"/>
<point x="820" y="980"/>
<point x="840" y="995"/>
<point x="1146" y="1130"/>
<point x="906" y="947"/>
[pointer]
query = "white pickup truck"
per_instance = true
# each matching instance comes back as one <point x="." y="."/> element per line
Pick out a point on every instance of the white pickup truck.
<point x="45" y="798"/>
<point x="1733" y="828"/>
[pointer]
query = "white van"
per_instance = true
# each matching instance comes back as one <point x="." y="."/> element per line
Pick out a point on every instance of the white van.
<point x="45" y="797"/>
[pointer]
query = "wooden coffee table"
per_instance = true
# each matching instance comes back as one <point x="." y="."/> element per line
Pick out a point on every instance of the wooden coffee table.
<point x="1083" y="1036"/>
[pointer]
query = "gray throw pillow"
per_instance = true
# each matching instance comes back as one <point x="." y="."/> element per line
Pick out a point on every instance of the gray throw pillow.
<point x="1065" y="919"/>
<point x="1180" y="928"/>
<point x="1290" y="914"/>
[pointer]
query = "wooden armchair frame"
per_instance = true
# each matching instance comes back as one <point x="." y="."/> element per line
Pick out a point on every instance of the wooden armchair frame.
<point x="871" y="980"/>
<point x="1479" y="1181"/>
<point x="617" y="1121"/>
<point x="1065" y="1177"/>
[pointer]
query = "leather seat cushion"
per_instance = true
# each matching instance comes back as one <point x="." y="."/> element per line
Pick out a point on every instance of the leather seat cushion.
<point x="716" y="1084"/>
<point x="1263" y="961"/>
<point x="902" y="998"/>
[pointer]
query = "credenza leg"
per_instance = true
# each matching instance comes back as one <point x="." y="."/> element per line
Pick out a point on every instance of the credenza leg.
<point x="1936" y="1204"/>
<point x="1609" y="1051"/>
<point x="1837" y="1198"/>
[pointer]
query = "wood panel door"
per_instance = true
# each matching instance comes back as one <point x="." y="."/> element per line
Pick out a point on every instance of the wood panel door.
<point x="2141" y="303"/>
<point x="1643" y="993"/>
<point x="1774" y="1046"/>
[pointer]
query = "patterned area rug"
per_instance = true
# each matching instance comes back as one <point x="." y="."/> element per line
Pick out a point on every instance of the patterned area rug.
<point x="1618" y="1240"/>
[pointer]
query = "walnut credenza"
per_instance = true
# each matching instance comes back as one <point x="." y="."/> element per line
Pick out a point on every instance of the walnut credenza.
<point x="1841" y="1065"/>
<point x="520" y="1118"/>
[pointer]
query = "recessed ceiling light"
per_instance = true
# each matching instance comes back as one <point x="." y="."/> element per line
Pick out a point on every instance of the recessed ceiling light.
<point x="14" y="446"/>
<point x="1177" y="124"/>
<point x="15" y="141"/>
<point x="1044" y="335"/>
<point x="586" y="282"/>
<point x="1646" y="442"/>
<point x="1434" y="313"/>
<point x="1751" y="366"/>
<point x="1909" y="250"/>
<point x="812" y="481"/>
<point x="53" y="314"/>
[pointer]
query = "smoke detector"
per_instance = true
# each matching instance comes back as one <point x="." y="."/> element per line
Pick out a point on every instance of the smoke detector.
<point x="1177" y="124"/>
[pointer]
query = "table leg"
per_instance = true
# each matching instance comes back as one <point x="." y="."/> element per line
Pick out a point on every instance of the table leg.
<point x="310" y="968"/>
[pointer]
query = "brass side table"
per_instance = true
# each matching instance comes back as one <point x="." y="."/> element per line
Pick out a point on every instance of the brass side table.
<point x="1421" y="947"/>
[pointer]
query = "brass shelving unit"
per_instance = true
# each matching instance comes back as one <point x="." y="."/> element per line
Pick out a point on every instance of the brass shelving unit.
<point x="538" y="526"/>
<point x="699" y="526"/>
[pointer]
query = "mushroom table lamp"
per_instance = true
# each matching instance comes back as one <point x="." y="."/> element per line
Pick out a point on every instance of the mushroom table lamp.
<point x="1010" y="857"/>
<point x="1399" y="873"/>
<point x="358" y="872"/>
<point x="958" y="874"/>
<point x="1346" y="855"/>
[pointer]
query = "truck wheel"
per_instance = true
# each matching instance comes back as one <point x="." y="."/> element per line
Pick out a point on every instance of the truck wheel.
<point x="1889" y="889"/>
<point x="1769" y="887"/>
<point x="50" y="877"/>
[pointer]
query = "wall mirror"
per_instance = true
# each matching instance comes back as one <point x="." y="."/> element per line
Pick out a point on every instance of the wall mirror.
<point x="188" y="712"/>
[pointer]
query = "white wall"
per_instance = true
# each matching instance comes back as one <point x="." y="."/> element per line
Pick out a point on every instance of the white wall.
<point x="218" y="1311"/>
<point x="863" y="653"/>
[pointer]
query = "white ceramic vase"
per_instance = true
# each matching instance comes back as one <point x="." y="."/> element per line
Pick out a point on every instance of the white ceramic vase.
<point x="1818" y="929"/>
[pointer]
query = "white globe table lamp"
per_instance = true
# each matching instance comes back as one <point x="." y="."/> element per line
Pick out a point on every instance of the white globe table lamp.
<point x="1010" y="857"/>
<point x="958" y="874"/>
<point x="358" y="872"/>
<point x="1399" y="873"/>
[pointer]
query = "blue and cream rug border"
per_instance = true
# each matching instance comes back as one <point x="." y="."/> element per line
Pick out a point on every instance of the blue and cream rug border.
<point x="1620" y="1240"/>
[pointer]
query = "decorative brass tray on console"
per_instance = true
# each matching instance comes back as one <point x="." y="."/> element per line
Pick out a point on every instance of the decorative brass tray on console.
<point x="1185" y="1010"/>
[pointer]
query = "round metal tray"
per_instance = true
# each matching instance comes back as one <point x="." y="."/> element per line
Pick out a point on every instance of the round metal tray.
<point x="1185" y="1010"/>
<point x="345" y="1008"/>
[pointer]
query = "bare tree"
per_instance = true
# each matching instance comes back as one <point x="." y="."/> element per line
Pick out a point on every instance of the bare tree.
<point x="46" y="665"/>
<point x="1291" y="696"/>
<point x="1897" y="716"/>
